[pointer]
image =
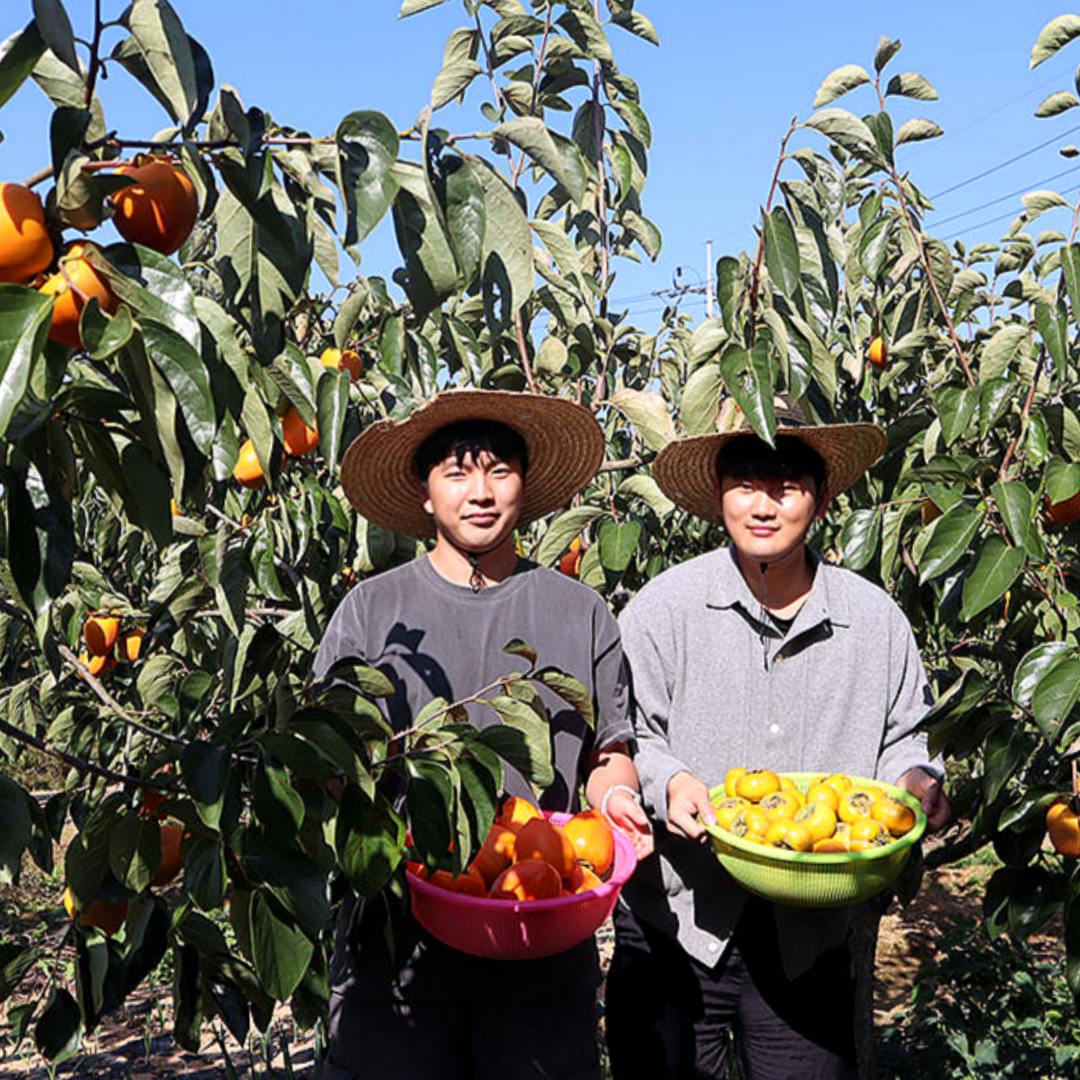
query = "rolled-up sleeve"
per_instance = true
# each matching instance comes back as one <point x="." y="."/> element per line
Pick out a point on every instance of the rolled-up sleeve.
<point x="903" y="746"/>
<point x="650" y="657"/>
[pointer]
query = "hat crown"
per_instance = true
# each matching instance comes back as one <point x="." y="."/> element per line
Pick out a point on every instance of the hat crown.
<point x="732" y="420"/>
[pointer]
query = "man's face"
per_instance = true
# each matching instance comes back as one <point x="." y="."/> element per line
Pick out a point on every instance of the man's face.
<point x="476" y="503"/>
<point x="768" y="519"/>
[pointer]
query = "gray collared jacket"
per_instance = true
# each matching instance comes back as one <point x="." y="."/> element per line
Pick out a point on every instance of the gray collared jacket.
<point x="715" y="685"/>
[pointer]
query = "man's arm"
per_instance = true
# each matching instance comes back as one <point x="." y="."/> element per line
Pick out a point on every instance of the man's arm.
<point x="905" y="753"/>
<point x="674" y="795"/>
<point x="611" y="787"/>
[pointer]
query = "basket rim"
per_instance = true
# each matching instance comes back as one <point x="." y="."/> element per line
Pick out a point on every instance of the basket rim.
<point x="737" y="847"/>
<point x="621" y="869"/>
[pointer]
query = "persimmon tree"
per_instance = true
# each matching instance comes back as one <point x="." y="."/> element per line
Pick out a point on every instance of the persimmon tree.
<point x="121" y="461"/>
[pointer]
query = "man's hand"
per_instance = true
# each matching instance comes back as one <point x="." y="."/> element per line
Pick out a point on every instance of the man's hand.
<point x="628" y="817"/>
<point x="688" y="800"/>
<point x="931" y="793"/>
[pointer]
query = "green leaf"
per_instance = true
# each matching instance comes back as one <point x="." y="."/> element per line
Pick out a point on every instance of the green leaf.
<point x="453" y="81"/>
<point x="517" y="647"/>
<point x="909" y="84"/>
<point x="135" y="851"/>
<point x="333" y="404"/>
<point x="280" y="950"/>
<point x="562" y="530"/>
<point x="369" y="839"/>
<point x="648" y="412"/>
<point x="551" y="151"/>
<point x="205" y="770"/>
<point x="508" y="274"/>
<point x="1038" y="202"/>
<point x="917" y="130"/>
<point x="700" y="403"/>
<point x="152" y="285"/>
<point x="1072" y="940"/>
<point x="1056" y="104"/>
<point x="537" y="761"/>
<point x="25" y="316"/>
<point x="1005" y="346"/>
<point x="948" y="537"/>
<point x="1016" y="505"/>
<point x="15" y="835"/>
<point x="15" y="962"/>
<point x="55" y="27"/>
<point x="165" y="47"/>
<point x="586" y="33"/>
<point x="839" y="82"/>
<point x="58" y="1033"/>
<point x="1056" y="693"/>
<point x="19" y="55"/>
<point x="461" y="197"/>
<point x="571" y="690"/>
<point x="618" y="542"/>
<point x="637" y="24"/>
<point x="411" y="7"/>
<point x="1062" y="479"/>
<point x="845" y="129"/>
<point x="431" y="271"/>
<point x="1053" y="326"/>
<point x="956" y="409"/>
<point x="1070" y="267"/>
<point x="997" y="566"/>
<point x="1055" y="35"/>
<point x="885" y="51"/>
<point x="727" y="283"/>
<point x="860" y="536"/>
<point x="750" y="378"/>
<point x="367" y="147"/>
<point x="430" y="801"/>
<point x="782" y="252"/>
<point x="185" y="372"/>
<point x="648" y="491"/>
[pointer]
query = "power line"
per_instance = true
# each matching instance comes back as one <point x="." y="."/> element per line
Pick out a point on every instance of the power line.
<point x="1005" y="164"/>
<point x="1011" y="195"/>
<point x="1001" y="217"/>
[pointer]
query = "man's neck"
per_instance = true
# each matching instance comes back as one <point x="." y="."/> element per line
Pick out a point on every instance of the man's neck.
<point x="453" y="564"/>
<point x="781" y="586"/>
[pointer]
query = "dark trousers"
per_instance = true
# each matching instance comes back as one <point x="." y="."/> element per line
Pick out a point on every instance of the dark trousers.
<point x="670" y="1017"/>
<point x="442" y="1015"/>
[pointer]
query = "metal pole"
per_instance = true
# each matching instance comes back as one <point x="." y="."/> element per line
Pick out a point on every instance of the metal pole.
<point x="710" y="288"/>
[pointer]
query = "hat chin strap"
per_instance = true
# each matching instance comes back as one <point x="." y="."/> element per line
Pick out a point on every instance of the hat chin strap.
<point x="476" y="577"/>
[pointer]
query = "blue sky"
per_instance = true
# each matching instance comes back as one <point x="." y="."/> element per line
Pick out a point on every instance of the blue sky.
<point x="720" y="92"/>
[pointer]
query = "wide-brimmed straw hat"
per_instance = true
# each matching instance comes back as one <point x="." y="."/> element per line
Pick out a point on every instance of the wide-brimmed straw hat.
<point x="564" y="442"/>
<point x="686" y="469"/>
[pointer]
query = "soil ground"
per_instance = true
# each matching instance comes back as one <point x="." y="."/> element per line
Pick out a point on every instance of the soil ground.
<point x="135" y="1043"/>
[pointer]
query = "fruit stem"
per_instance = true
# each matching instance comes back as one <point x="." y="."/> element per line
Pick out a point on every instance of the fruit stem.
<point x="96" y="62"/>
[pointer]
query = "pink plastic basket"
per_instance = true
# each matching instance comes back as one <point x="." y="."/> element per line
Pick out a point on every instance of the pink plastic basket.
<point x="520" y="930"/>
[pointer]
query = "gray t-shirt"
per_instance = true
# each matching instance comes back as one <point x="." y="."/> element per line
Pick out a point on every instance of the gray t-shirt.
<point x="436" y="639"/>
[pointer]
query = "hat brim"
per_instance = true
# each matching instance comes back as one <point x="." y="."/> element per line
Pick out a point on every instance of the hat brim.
<point x="564" y="441"/>
<point x="686" y="469"/>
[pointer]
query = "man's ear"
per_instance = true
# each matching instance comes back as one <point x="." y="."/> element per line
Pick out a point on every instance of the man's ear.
<point x="823" y="503"/>
<point x="422" y="495"/>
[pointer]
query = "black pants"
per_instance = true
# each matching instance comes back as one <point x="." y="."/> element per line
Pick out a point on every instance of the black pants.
<point x="442" y="1015"/>
<point x="669" y="1016"/>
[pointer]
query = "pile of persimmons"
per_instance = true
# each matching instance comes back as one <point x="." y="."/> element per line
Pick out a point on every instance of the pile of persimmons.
<point x="834" y="814"/>
<point x="527" y="857"/>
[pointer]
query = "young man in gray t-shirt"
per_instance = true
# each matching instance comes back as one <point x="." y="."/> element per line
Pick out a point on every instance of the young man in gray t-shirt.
<point x="469" y="468"/>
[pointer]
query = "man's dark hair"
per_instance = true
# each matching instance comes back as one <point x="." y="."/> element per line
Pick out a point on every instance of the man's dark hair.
<point x="470" y="438"/>
<point x="751" y="458"/>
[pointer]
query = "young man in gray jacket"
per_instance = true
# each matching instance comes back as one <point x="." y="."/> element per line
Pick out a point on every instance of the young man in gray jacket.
<point x="760" y="655"/>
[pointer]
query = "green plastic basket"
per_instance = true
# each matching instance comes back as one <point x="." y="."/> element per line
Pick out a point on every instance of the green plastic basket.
<point x="802" y="879"/>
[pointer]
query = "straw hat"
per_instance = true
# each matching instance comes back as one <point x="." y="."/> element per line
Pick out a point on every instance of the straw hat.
<point x="565" y="444"/>
<point x="686" y="469"/>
